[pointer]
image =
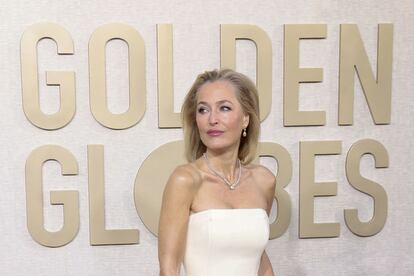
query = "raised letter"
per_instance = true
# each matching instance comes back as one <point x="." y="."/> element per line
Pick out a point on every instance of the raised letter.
<point x="30" y="80"/>
<point x="98" y="234"/>
<point x="136" y="51"/>
<point x="34" y="197"/>
<point x="294" y="75"/>
<point x="229" y="33"/>
<point x="371" y="188"/>
<point x="309" y="189"/>
<point x="354" y="57"/>
<point x="167" y="118"/>
<point x="150" y="181"/>
<point x="283" y="177"/>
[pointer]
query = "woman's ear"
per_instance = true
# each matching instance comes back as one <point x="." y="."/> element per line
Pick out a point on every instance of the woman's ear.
<point x="246" y="120"/>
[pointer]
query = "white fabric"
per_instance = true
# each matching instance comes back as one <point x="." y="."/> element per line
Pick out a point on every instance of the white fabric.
<point x="226" y="242"/>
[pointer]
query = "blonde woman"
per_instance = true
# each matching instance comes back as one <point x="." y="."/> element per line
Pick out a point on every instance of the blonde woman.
<point x="214" y="215"/>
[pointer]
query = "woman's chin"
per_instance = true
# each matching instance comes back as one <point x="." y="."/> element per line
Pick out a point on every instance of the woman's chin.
<point x="219" y="146"/>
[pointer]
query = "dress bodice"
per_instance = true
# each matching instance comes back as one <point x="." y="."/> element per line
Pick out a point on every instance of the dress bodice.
<point x="226" y="242"/>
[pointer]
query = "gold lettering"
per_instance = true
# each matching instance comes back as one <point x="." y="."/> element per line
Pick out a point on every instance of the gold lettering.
<point x="294" y="75"/>
<point x="371" y="188"/>
<point x="30" y="80"/>
<point x="167" y="118"/>
<point x="283" y="177"/>
<point x="229" y="33"/>
<point x="98" y="234"/>
<point x="308" y="189"/>
<point x="150" y="181"/>
<point x="354" y="57"/>
<point x="34" y="196"/>
<point x="97" y="75"/>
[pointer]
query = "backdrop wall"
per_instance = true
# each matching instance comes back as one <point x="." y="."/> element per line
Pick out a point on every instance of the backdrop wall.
<point x="196" y="34"/>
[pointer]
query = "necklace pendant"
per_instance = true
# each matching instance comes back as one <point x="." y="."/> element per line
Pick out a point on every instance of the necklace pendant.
<point x="227" y="182"/>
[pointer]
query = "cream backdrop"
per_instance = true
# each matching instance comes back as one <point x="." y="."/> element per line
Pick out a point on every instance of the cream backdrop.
<point x="197" y="48"/>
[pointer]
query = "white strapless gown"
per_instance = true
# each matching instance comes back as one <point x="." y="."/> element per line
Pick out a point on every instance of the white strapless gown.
<point x="226" y="242"/>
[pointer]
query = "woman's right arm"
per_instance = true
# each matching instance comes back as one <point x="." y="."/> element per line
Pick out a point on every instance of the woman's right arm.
<point x="172" y="232"/>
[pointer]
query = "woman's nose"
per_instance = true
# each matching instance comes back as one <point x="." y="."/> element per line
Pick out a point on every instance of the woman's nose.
<point x="212" y="119"/>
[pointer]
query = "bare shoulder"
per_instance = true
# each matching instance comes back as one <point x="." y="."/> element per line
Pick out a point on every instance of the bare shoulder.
<point x="180" y="190"/>
<point x="185" y="177"/>
<point x="265" y="180"/>
<point x="263" y="176"/>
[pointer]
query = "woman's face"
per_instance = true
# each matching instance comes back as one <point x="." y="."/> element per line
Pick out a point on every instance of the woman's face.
<point x="219" y="116"/>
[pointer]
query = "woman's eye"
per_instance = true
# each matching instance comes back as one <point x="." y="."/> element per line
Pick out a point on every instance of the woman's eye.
<point x="225" y="108"/>
<point x="202" y="110"/>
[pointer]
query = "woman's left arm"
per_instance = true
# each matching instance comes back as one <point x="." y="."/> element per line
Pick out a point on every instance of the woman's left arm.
<point x="269" y="180"/>
<point x="265" y="268"/>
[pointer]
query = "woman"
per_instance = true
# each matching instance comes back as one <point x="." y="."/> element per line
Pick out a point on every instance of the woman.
<point x="214" y="215"/>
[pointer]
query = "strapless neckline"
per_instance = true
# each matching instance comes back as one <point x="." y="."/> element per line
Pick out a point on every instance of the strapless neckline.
<point x="226" y="241"/>
<point x="192" y="214"/>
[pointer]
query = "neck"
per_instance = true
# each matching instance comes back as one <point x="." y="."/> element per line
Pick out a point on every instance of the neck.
<point x="224" y="162"/>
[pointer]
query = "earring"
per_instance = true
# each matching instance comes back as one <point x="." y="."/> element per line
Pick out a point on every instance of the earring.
<point x="244" y="132"/>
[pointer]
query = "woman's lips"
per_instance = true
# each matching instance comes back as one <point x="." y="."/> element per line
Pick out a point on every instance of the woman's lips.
<point x="215" y="133"/>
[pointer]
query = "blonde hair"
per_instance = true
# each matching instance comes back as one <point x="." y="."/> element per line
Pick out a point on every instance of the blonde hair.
<point x="247" y="96"/>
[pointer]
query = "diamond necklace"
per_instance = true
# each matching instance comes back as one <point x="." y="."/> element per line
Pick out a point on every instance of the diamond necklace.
<point x="227" y="182"/>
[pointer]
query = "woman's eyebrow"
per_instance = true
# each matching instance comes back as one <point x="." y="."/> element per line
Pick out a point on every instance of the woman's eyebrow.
<point x="224" y="101"/>
<point x="217" y="103"/>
